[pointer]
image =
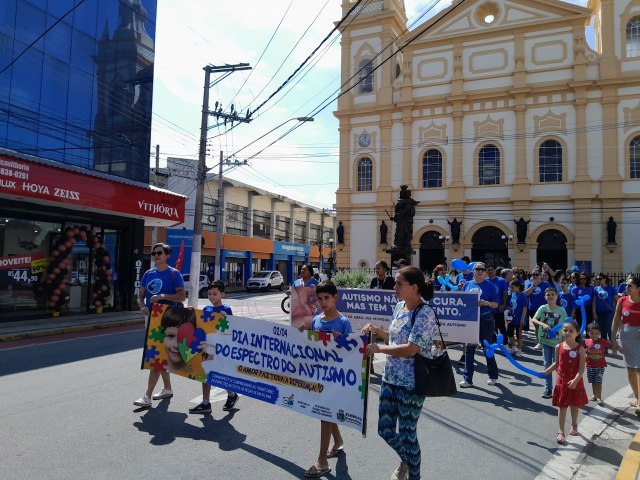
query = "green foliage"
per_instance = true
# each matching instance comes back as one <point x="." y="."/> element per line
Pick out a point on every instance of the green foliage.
<point x="352" y="279"/>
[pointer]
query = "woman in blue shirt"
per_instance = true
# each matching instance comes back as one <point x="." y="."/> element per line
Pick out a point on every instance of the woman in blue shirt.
<point x="584" y="288"/>
<point x="606" y="300"/>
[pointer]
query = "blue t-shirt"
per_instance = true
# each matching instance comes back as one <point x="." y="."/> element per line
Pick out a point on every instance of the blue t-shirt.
<point x="501" y="287"/>
<point x="340" y="325"/>
<point x="622" y="288"/>
<point x="604" y="298"/>
<point x="399" y="370"/>
<point x="488" y="292"/>
<point x="580" y="291"/>
<point x="536" y="297"/>
<point x="219" y="309"/>
<point x="310" y="283"/>
<point x="568" y="302"/>
<point x="519" y="302"/>
<point x="155" y="283"/>
<point x="464" y="278"/>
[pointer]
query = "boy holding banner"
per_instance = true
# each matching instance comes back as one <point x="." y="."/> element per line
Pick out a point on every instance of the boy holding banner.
<point x="215" y="292"/>
<point x="330" y="321"/>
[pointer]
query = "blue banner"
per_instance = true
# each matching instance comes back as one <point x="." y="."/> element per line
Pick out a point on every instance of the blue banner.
<point x="175" y="237"/>
<point x="457" y="311"/>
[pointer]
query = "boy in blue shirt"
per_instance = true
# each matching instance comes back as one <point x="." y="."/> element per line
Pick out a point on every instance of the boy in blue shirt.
<point x="534" y="289"/>
<point x="518" y="313"/>
<point x="565" y="299"/>
<point x="215" y="292"/>
<point x="332" y="321"/>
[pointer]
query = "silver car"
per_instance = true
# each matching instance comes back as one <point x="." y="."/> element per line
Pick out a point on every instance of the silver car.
<point x="266" y="280"/>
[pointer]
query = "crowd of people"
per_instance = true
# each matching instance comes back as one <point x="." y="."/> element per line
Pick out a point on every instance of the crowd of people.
<point x="509" y="302"/>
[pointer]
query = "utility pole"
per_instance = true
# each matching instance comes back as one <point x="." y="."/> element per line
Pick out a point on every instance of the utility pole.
<point x="219" y="220"/>
<point x="321" y="266"/>
<point x="196" y="249"/>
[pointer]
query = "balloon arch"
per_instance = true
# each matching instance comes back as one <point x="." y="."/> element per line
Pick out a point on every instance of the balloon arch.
<point x="57" y="282"/>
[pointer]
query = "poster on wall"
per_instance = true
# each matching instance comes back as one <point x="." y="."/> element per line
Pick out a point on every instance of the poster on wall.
<point x="457" y="311"/>
<point x="307" y="372"/>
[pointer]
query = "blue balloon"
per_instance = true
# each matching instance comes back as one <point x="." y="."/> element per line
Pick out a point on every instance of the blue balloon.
<point x="575" y="268"/>
<point x="471" y="265"/>
<point x="446" y="282"/>
<point x="490" y="349"/>
<point x="459" y="265"/>
<point x="582" y="299"/>
<point x="557" y="328"/>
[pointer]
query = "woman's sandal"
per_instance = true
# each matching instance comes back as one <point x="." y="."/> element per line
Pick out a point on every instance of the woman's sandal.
<point x="335" y="452"/>
<point x="573" y="431"/>
<point x="560" y="438"/>
<point x="315" y="472"/>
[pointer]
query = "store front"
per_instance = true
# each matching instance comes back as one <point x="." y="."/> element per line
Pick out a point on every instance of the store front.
<point x="236" y="264"/>
<point x="71" y="240"/>
<point x="290" y="257"/>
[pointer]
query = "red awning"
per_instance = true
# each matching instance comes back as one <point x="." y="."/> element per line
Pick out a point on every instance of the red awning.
<point x="23" y="177"/>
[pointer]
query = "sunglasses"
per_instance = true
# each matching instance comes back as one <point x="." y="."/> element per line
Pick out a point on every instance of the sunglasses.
<point x="160" y="252"/>
<point x="479" y="269"/>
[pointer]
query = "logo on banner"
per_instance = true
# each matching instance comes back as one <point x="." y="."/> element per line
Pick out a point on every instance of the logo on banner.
<point x="288" y="401"/>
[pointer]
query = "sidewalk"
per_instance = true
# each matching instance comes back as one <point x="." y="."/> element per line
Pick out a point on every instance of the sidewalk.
<point x="42" y="327"/>
<point x="605" y="442"/>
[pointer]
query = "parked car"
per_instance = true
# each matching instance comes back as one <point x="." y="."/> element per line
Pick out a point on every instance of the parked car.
<point x="202" y="285"/>
<point x="265" y="280"/>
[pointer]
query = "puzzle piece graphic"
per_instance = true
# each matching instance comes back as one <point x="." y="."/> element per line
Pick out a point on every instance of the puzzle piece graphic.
<point x="150" y="353"/>
<point x="157" y="309"/>
<point x="159" y="365"/>
<point x="207" y="315"/>
<point x="325" y="338"/>
<point x="311" y="335"/>
<point x="223" y="324"/>
<point x="362" y="390"/>
<point x="343" y="341"/>
<point x="185" y="351"/>
<point x="157" y="334"/>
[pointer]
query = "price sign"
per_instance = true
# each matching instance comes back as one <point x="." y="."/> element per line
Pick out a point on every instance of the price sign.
<point x="23" y="276"/>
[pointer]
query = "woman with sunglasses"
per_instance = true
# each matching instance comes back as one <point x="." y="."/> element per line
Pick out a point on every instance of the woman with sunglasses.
<point x="584" y="287"/>
<point x="628" y="313"/>
<point x="160" y="284"/>
<point x="606" y="298"/>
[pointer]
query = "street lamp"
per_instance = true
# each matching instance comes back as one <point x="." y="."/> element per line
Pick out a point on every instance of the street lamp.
<point x="506" y="239"/>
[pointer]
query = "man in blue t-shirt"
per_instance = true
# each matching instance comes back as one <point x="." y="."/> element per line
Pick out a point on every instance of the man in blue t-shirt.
<point x="487" y="299"/>
<point x="534" y="289"/>
<point x="502" y="287"/>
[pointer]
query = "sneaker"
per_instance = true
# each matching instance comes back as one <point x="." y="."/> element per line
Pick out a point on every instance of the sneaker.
<point x="518" y="353"/>
<point x="491" y="381"/>
<point x="143" y="401"/>
<point x="547" y="394"/>
<point x="400" y="473"/>
<point x="465" y="384"/>
<point x="513" y="350"/>
<point x="164" y="393"/>
<point x="202" y="408"/>
<point x="231" y="401"/>
<point x="537" y="347"/>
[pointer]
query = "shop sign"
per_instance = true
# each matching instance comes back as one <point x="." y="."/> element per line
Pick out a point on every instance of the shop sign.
<point x="19" y="261"/>
<point x="235" y="254"/>
<point x="32" y="180"/>
<point x="286" y="248"/>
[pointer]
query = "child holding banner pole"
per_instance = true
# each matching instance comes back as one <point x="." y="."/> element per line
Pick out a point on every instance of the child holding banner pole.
<point x="330" y="321"/>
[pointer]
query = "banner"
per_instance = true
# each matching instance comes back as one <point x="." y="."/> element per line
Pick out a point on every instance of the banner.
<point x="176" y="238"/>
<point x="308" y="372"/>
<point x="457" y="311"/>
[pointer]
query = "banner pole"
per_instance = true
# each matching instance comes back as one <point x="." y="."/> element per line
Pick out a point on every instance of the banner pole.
<point x="366" y="389"/>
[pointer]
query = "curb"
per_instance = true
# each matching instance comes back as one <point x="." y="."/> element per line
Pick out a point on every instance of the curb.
<point x="630" y="466"/>
<point x="9" y="337"/>
<point x="570" y="457"/>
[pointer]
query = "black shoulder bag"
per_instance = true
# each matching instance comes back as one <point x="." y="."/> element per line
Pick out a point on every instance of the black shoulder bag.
<point x="433" y="376"/>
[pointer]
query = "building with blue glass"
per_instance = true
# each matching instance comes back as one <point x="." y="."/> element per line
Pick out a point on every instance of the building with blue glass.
<point x="76" y="85"/>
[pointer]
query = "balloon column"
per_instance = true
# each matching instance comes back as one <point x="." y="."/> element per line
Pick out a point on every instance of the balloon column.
<point x="57" y="281"/>
<point x="102" y="275"/>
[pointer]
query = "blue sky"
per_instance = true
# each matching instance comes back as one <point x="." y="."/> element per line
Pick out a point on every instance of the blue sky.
<point x="192" y="34"/>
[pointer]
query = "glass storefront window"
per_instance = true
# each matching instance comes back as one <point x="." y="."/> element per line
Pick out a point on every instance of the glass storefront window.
<point x="25" y="248"/>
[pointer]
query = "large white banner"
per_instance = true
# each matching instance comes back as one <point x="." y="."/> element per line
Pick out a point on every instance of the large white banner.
<point x="308" y="372"/>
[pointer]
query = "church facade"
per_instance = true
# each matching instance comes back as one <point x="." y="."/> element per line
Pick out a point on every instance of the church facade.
<point x="514" y="123"/>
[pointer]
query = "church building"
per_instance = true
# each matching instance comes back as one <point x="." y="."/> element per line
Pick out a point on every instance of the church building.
<point x="515" y="125"/>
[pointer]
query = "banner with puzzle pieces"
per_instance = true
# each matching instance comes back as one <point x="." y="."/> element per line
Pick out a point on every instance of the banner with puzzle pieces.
<point x="308" y="372"/>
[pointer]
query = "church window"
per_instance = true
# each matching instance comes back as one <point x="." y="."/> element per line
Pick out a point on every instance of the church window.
<point x="365" y="76"/>
<point x="550" y="161"/>
<point x="489" y="165"/>
<point x="365" y="175"/>
<point x="634" y="158"/>
<point x="633" y="37"/>
<point x="432" y="169"/>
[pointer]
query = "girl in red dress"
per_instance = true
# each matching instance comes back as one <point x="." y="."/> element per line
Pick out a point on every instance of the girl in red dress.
<point x="569" y="391"/>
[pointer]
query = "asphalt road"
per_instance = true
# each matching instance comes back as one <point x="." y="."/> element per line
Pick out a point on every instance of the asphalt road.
<point x="67" y="413"/>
